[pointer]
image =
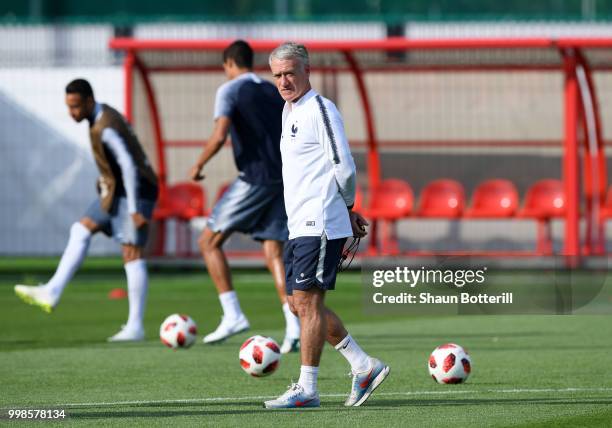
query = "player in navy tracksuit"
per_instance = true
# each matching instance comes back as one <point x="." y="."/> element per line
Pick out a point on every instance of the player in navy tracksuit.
<point x="249" y="108"/>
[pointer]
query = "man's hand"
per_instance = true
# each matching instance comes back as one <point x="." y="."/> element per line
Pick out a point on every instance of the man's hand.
<point x="213" y="145"/>
<point x="195" y="173"/>
<point x="139" y="220"/>
<point x="358" y="223"/>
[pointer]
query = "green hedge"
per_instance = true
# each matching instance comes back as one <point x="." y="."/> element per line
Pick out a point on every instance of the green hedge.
<point x="391" y="11"/>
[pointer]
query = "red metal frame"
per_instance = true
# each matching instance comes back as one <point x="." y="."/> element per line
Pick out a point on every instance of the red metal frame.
<point x="159" y="146"/>
<point x="388" y="44"/>
<point x="128" y="75"/>
<point x="411" y="144"/>
<point x="573" y="112"/>
<point x="587" y="173"/>
<point x="570" y="161"/>
<point x="157" y="127"/>
<point x="457" y="68"/>
<point x="599" y="176"/>
<point x="373" y="158"/>
<point x="408" y="144"/>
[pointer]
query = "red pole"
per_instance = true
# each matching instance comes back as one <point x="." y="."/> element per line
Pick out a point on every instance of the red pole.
<point x="600" y="167"/>
<point x="570" y="160"/>
<point x="587" y="175"/>
<point x="160" y="152"/>
<point x="128" y="73"/>
<point x="157" y="129"/>
<point x="373" y="160"/>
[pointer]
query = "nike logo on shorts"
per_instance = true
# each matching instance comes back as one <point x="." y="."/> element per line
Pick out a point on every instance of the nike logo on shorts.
<point x="297" y="281"/>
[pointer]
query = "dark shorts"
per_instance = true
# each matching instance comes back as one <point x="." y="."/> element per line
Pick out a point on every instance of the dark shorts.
<point x="312" y="261"/>
<point x="255" y="209"/>
<point x="118" y="222"/>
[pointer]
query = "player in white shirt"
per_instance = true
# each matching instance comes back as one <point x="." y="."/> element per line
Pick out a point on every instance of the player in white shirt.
<point x="319" y="189"/>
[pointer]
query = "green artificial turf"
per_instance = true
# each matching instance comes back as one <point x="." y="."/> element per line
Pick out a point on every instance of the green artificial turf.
<point x="527" y="370"/>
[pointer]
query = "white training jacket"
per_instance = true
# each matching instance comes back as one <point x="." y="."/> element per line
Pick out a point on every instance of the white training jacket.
<point x="318" y="169"/>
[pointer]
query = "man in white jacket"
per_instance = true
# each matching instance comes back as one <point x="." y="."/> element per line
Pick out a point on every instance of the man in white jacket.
<point x="319" y="189"/>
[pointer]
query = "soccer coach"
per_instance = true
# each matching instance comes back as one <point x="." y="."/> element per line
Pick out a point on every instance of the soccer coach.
<point x="319" y="189"/>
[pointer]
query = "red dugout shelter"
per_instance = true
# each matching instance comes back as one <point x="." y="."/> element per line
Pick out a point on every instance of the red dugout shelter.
<point x="389" y="113"/>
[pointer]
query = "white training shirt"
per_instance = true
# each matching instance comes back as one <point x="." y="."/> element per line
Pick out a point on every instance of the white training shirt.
<point x="318" y="169"/>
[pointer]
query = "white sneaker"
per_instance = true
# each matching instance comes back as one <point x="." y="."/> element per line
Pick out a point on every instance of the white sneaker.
<point x="227" y="328"/>
<point x="366" y="382"/>
<point x="128" y="335"/>
<point x="290" y="344"/>
<point x="36" y="296"/>
<point x="295" y="397"/>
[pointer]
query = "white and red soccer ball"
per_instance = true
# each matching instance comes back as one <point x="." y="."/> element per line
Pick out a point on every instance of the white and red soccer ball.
<point x="178" y="331"/>
<point x="259" y="356"/>
<point x="449" y="363"/>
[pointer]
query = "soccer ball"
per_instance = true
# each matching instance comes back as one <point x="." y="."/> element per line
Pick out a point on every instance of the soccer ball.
<point x="449" y="363"/>
<point x="178" y="331"/>
<point x="259" y="356"/>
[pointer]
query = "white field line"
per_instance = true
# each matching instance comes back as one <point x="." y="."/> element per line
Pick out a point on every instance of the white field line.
<point x="378" y="394"/>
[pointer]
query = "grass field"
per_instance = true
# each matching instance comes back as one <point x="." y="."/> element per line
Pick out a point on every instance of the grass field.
<point x="528" y="370"/>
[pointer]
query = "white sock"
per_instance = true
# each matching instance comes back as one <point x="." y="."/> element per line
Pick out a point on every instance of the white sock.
<point x="231" y="305"/>
<point x="138" y="283"/>
<point x="308" y="379"/>
<point x="73" y="256"/>
<point x="353" y="353"/>
<point x="292" y="323"/>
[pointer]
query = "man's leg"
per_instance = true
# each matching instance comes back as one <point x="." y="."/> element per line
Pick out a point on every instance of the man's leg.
<point x="47" y="296"/>
<point x="368" y="372"/>
<point x="320" y="323"/>
<point x="273" y="251"/>
<point x="308" y="304"/>
<point x="138" y="285"/>
<point x="210" y="245"/>
<point x="233" y="321"/>
<point x="339" y="338"/>
<point x="133" y="238"/>
<point x="311" y="312"/>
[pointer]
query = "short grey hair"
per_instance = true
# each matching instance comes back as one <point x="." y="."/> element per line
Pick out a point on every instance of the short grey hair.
<point x="291" y="50"/>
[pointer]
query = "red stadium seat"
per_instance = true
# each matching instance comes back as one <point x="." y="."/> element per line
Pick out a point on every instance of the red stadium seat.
<point x="392" y="200"/>
<point x="187" y="200"/>
<point x="162" y="209"/>
<point x="544" y="200"/>
<point x="182" y="201"/>
<point x="442" y="198"/>
<point x="495" y="198"/>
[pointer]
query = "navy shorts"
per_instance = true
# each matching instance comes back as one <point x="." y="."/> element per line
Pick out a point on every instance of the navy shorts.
<point x="312" y="261"/>
<point x="255" y="209"/>
<point x="118" y="222"/>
